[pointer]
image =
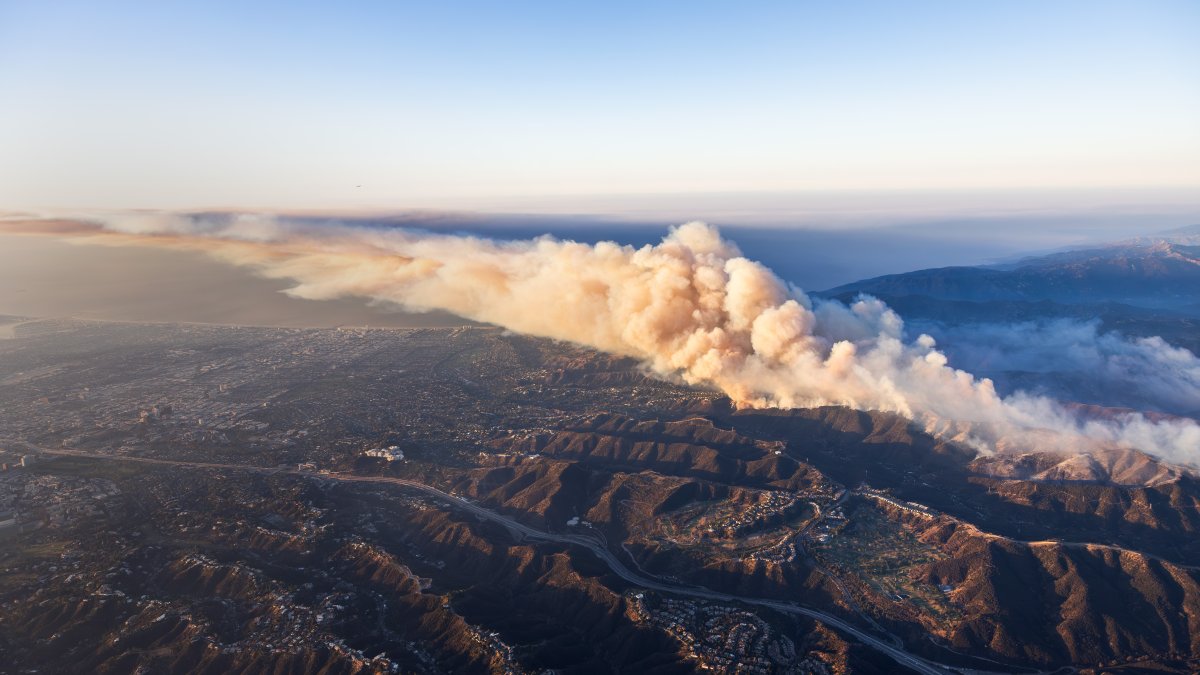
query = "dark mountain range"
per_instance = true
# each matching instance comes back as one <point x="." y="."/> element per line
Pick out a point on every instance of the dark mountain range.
<point x="1158" y="273"/>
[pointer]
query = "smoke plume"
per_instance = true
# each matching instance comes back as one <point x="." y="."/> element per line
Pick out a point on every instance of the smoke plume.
<point x="691" y="307"/>
<point x="1075" y="360"/>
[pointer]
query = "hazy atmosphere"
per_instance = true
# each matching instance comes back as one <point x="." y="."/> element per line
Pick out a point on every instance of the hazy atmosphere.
<point x="485" y="106"/>
<point x="526" y="338"/>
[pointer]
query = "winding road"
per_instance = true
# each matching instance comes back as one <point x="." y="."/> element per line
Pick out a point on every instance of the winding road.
<point x="524" y="532"/>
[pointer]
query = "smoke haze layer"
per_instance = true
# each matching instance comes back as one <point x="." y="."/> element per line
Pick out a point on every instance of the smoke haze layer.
<point x="690" y="307"/>
<point x="1075" y="360"/>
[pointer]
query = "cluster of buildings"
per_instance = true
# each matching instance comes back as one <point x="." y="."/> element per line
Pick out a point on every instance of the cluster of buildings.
<point x="782" y="553"/>
<point x="31" y="501"/>
<point x="770" y="509"/>
<point x="832" y="521"/>
<point x="503" y="658"/>
<point x="391" y="453"/>
<point x="201" y="387"/>
<point x="722" y="638"/>
<point x="291" y="396"/>
<point x="701" y="522"/>
<point x="908" y="507"/>
<point x="18" y="462"/>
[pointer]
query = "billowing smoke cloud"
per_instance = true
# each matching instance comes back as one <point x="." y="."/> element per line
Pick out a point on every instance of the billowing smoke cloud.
<point x="689" y="307"/>
<point x="1075" y="360"/>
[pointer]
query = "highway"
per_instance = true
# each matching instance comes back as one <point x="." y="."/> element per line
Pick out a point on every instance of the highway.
<point x="522" y="531"/>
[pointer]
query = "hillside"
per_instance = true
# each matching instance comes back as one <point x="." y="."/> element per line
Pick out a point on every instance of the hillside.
<point x="1158" y="273"/>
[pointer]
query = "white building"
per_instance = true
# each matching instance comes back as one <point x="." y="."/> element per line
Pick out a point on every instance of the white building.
<point x="390" y="453"/>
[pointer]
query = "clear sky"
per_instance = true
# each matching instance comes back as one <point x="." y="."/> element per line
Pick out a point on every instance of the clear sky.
<point x="451" y="104"/>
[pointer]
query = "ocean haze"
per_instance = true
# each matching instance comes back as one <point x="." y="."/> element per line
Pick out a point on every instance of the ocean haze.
<point x="47" y="277"/>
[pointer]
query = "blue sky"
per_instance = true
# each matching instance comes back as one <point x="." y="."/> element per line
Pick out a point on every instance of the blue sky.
<point x="484" y="104"/>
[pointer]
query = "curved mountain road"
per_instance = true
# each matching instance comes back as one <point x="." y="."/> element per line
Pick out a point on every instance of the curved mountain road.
<point x="522" y="531"/>
<point x="903" y="658"/>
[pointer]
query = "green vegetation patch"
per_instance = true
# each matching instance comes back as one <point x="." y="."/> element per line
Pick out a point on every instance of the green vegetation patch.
<point x="886" y="555"/>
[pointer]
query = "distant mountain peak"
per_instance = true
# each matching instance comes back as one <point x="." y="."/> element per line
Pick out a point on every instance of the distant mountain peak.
<point x="1186" y="236"/>
<point x="1161" y="272"/>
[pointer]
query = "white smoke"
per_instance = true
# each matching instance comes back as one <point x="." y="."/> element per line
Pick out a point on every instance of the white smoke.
<point x="691" y="307"/>
<point x="1074" y="359"/>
